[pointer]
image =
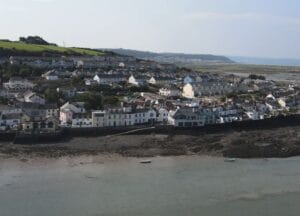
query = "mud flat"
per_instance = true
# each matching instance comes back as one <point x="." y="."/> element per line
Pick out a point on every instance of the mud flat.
<point x="279" y="142"/>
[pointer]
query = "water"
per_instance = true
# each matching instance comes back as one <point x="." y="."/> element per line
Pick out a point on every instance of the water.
<point x="169" y="186"/>
<point x="286" y="77"/>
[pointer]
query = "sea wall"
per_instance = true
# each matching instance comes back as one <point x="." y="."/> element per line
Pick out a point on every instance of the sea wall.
<point x="281" y="121"/>
<point x="68" y="133"/>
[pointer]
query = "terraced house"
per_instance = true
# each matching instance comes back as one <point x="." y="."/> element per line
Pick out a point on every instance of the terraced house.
<point x="108" y="79"/>
<point x="123" y="117"/>
<point x="18" y="84"/>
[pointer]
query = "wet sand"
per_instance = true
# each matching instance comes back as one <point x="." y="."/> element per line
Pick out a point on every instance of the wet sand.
<point x="114" y="185"/>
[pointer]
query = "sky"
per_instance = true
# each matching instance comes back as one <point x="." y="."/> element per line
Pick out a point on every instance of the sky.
<point x="257" y="28"/>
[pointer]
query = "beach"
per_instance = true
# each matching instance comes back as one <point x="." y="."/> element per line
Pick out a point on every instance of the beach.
<point x="257" y="143"/>
<point x="114" y="185"/>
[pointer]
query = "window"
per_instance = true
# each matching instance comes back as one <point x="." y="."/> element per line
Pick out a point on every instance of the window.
<point x="188" y="124"/>
<point x="50" y="125"/>
<point x="43" y="125"/>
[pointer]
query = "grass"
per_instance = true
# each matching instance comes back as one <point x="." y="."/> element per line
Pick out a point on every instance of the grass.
<point x="243" y="68"/>
<point x="18" y="47"/>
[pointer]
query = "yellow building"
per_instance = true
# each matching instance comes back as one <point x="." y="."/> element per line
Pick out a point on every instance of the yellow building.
<point x="188" y="91"/>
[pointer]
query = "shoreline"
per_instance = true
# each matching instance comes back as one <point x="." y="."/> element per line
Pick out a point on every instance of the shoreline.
<point x="268" y="143"/>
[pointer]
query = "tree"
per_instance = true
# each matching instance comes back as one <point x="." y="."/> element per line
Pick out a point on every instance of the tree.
<point x="93" y="101"/>
<point x="111" y="100"/>
<point x="77" y="81"/>
<point x="256" y="77"/>
<point x="35" y="40"/>
<point x="51" y="95"/>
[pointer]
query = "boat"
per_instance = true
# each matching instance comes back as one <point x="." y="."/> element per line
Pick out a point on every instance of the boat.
<point x="145" y="161"/>
<point x="230" y="160"/>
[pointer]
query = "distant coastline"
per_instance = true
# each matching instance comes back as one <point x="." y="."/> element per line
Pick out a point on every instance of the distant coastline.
<point x="266" y="61"/>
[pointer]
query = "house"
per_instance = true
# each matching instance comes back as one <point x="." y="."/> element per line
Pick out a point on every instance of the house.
<point x="212" y="88"/>
<point x="122" y="117"/>
<point x="188" y="91"/>
<point x="210" y="116"/>
<point x="51" y="75"/>
<point x="254" y="115"/>
<point x="282" y="102"/>
<point x="108" y="79"/>
<point x="18" y="84"/>
<point x="68" y="92"/>
<point x="227" y="114"/>
<point x="5" y="109"/>
<point x="162" y="116"/>
<point x="161" y="80"/>
<point x="189" y="80"/>
<point x="90" y="82"/>
<point x="4" y="93"/>
<point x="192" y="79"/>
<point x="68" y="110"/>
<point x="36" y="121"/>
<point x="186" y="117"/>
<point x="169" y="92"/>
<point x="10" y="120"/>
<point x="122" y="65"/>
<point x="81" y="120"/>
<point x="31" y="97"/>
<point x="51" y="110"/>
<point x="137" y="80"/>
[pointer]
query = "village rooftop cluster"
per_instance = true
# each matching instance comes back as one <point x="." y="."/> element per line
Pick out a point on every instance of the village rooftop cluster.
<point x="121" y="91"/>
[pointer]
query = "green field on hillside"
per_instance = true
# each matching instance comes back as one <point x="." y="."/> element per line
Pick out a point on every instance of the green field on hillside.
<point x="18" y="48"/>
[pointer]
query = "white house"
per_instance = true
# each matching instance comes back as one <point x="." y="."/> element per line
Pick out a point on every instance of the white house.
<point x="207" y="89"/>
<point x="186" y="117"/>
<point x="81" y="120"/>
<point x="51" y="110"/>
<point x="254" y="115"/>
<point x="123" y="117"/>
<point x="162" y="116"/>
<point x="31" y="97"/>
<point x="137" y="80"/>
<point x="122" y="65"/>
<point x="51" y="75"/>
<point x="227" y="114"/>
<point x="108" y="79"/>
<point x="18" y="84"/>
<point x="90" y="82"/>
<point x="161" y="80"/>
<point x="169" y="92"/>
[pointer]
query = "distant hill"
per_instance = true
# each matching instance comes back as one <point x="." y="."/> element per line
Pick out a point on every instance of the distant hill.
<point x="16" y="48"/>
<point x="173" y="57"/>
<point x="266" y="61"/>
